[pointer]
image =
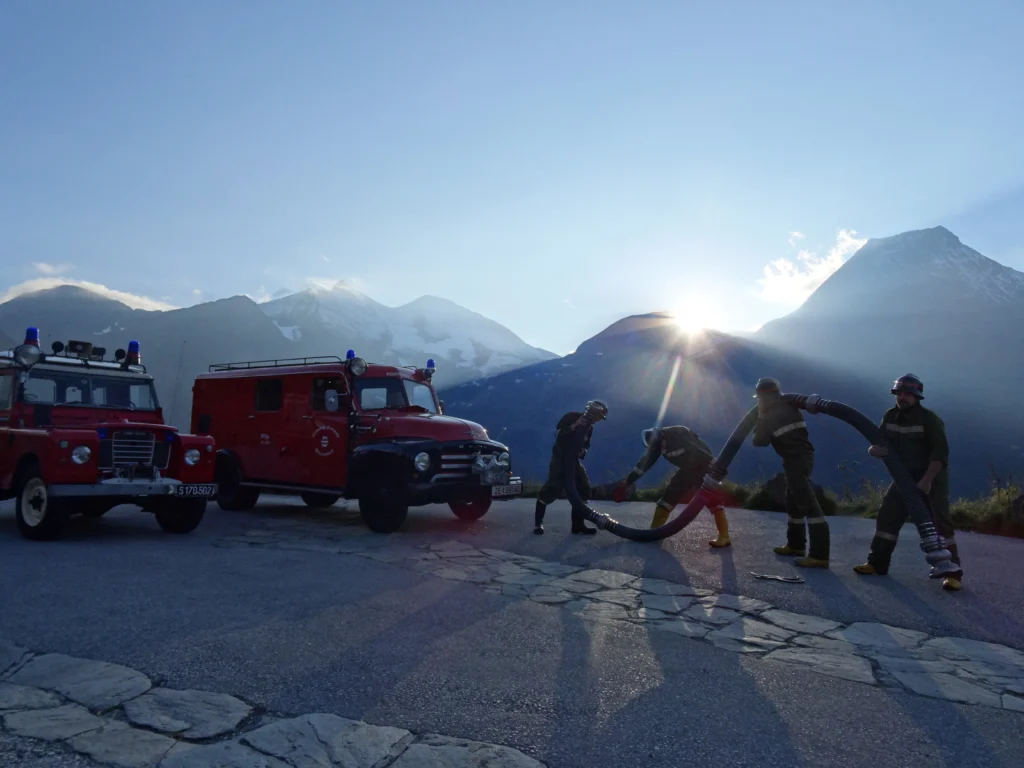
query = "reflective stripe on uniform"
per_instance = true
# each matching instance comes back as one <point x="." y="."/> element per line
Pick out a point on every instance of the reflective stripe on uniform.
<point x="665" y="505"/>
<point x="789" y="428"/>
<point x="817" y="521"/>
<point x="905" y="430"/>
<point x="886" y="536"/>
<point x="676" y="452"/>
<point x="639" y="470"/>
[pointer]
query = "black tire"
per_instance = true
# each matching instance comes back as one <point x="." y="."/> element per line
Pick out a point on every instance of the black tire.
<point x="180" y="516"/>
<point x="40" y="517"/>
<point x="384" y="508"/>
<point x="319" y="500"/>
<point x="232" y="496"/>
<point x="471" y="509"/>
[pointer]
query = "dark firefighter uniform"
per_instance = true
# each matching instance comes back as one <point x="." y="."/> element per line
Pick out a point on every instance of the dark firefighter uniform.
<point x="683" y="448"/>
<point x="781" y="425"/>
<point x="565" y="431"/>
<point x="918" y="437"/>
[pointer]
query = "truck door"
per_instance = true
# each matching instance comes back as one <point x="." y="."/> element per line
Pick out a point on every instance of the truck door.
<point x="7" y="457"/>
<point x="325" y="451"/>
<point x="266" y="420"/>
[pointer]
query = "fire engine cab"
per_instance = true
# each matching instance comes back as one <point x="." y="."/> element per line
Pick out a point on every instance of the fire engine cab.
<point x="325" y="428"/>
<point x="80" y="434"/>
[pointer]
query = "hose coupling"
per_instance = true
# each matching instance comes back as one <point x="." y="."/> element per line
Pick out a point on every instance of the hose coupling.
<point x="711" y="483"/>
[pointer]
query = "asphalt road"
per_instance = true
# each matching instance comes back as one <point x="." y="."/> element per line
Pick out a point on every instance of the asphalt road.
<point x="298" y="632"/>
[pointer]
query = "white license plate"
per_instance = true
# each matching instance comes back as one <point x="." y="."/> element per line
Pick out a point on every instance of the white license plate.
<point x="196" y="490"/>
<point x="506" y="490"/>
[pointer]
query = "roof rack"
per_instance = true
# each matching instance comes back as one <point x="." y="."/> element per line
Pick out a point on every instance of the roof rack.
<point x="103" y="365"/>
<point x="319" y="360"/>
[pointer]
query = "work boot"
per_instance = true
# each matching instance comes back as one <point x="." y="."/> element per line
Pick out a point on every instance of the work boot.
<point x="579" y="526"/>
<point x="722" y="524"/>
<point x="952" y="584"/>
<point x="867" y="569"/>
<point x="660" y="517"/>
<point x="538" y="517"/>
<point x="790" y="551"/>
<point x="811" y="562"/>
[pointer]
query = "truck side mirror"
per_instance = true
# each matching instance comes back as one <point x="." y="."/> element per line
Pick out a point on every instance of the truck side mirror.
<point x="331" y="400"/>
<point x="440" y="406"/>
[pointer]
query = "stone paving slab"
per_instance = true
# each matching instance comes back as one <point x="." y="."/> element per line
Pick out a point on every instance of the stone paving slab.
<point x="160" y="727"/>
<point x="193" y="714"/>
<point x="94" y="684"/>
<point x="948" y="668"/>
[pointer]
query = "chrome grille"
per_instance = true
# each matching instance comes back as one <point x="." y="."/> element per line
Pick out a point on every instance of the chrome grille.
<point x="133" y="448"/>
<point x="455" y="466"/>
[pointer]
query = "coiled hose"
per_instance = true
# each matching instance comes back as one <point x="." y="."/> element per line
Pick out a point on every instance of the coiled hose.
<point x="932" y="544"/>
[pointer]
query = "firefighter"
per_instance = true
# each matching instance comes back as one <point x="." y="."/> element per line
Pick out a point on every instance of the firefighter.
<point x="781" y="425"/>
<point x="918" y="437"/>
<point x="566" y="428"/>
<point x="683" y="448"/>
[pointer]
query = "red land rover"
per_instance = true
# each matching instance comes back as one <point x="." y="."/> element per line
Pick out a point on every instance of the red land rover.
<point x="81" y="435"/>
<point x="323" y="428"/>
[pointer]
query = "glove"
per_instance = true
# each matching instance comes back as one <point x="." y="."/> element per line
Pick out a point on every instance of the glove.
<point x="622" y="492"/>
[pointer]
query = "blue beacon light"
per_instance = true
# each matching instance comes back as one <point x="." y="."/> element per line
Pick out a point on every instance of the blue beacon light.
<point x="134" y="357"/>
<point x="430" y="365"/>
<point x="350" y="355"/>
<point x="32" y="336"/>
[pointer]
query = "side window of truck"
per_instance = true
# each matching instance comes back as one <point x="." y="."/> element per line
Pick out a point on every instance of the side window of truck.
<point x="320" y="386"/>
<point x="6" y="390"/>
<point x="269" y="395"/>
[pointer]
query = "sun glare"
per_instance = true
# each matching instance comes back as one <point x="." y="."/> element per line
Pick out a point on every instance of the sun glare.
<point x="695" y="315"/>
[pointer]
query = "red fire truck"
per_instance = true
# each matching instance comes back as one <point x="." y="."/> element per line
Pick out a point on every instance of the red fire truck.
<point x="80" y="435"/>
<point x="324" y="428"/>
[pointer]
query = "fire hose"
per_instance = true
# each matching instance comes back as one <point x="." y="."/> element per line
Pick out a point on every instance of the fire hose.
<point x="932" y="544"/>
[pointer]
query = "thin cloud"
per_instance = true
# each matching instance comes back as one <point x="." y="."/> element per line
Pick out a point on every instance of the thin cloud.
<point x="45" y="283"/>
<point x="52" y="269"/>
<point x="791" y="281"/>
<point x="795" y="237"/>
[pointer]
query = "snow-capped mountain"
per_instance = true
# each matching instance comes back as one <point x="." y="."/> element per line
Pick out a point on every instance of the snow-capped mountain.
<point x="464" y="344"/>
<point x="178" y="344"/>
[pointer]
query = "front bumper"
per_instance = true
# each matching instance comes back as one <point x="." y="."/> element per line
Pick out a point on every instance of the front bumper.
<point x="466" y="490"/>
<point x="121" y="487"/>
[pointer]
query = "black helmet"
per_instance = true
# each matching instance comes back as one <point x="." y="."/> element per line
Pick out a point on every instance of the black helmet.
<point x="648" y="435"/>
<point x="766" y="386"/>
<point x="909" y="383"/>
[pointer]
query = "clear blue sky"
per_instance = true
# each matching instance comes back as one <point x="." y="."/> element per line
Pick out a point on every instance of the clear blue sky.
<point x="554" y="165"/>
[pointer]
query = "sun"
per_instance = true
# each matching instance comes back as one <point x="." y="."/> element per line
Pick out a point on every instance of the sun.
<point x="694" y="315"/>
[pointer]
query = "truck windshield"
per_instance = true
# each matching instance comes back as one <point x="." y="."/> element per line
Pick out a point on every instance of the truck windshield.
<point x="377" y="394"/>
<point x="91" y="390"/>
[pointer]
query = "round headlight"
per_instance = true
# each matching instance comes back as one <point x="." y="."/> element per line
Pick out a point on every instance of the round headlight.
<point x="192" y="456"/>
<point x="81" y="454"/>
<point x="27" y="355"/>
<point x="422" y="462"/>
<point x="358" y="366"/>
<point x="503" y="459"/>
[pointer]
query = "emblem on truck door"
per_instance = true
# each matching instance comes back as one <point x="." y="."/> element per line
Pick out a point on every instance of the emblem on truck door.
<point x="323" y="443"/>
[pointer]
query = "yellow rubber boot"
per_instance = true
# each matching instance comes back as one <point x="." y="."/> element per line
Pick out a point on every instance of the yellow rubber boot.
<point x="660" y="517"/>
<point x="722" y="523"/>
<point x="952" y="584"/>
<point x="810" y="562"/>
